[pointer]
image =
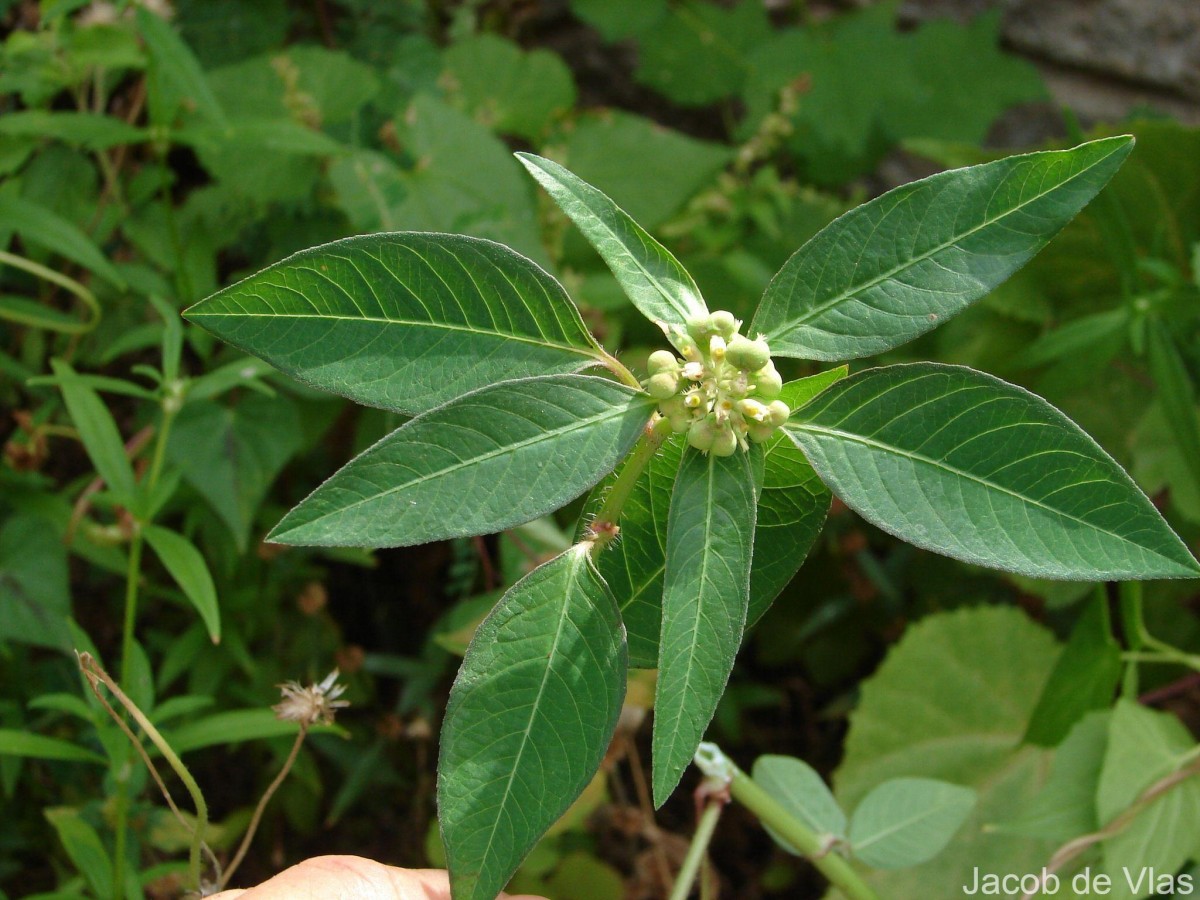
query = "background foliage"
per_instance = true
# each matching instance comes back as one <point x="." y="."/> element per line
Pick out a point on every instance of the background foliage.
<point x="147" y="162"/>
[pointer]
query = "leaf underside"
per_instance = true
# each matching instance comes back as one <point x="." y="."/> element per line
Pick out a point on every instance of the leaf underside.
<point x="529" y="719"/>
<point x="900" y="265"/>
<point x="403" y="321"/>
<point x="969" y="466"/>
<point x="495" y="458"/>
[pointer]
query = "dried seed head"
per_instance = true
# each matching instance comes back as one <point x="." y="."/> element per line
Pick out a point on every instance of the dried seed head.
<point x="317" y="703"/>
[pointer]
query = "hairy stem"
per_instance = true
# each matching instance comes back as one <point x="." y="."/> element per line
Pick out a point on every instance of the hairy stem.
<point x="643" y="451"/>
<point x="742" y="788"/>
<point x="699" y="846"/>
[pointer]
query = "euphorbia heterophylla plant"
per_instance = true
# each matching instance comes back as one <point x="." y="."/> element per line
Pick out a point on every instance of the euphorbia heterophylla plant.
<point x="716" y="476"/>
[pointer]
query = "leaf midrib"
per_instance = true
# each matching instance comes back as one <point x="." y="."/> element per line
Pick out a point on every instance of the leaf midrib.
<point x="563" y="618"/>
<point x="539" y="437"/>
<point x="573" y="348"/>
<point x="927" y="813"/>
<point x="953" y="470"/>
<point x="851" y="291"/>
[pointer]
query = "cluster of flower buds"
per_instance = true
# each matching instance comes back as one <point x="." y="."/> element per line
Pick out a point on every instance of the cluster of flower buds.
<point x="723" y="392"/>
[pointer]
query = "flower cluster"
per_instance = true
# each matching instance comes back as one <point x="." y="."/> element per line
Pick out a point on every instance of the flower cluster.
<point x="723" y="392"/>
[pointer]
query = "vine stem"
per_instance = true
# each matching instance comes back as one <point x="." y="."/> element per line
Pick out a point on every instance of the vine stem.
<point x="714" y="763"/>
<point x="715" y="802"/>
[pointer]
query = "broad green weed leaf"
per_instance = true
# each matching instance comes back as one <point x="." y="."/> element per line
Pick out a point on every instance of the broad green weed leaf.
<point x="506" y="88"/>
<point x="91" y="131"/>
<point x="403" y="321"/>
<point x="900" y="265"/>
<point x="495" y="458"/>
<point x="906" y="821"/>
<point x="187" y="566"/>
<point x="709" y="541"/>
<point x="1145" y="746"/>
<point x="1084" y="679"/>
<point x="951" y="701"/>
<point x="530" y="716"/>
<point x="964" y="464"/>
<point x="84" y="847"/>
<point x="98" y="432"/>
<point x="650" y="275"/>
<point x="802" y="792"/>
<point x="1176" y="394"/>
<point x="37" y="746"/>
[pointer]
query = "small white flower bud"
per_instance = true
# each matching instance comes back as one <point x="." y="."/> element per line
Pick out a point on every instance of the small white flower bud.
<point x="752" y="409"/>
<point x="692" y="399"/>
<point x="693" y="371"/>
<point x="716" y="348"/>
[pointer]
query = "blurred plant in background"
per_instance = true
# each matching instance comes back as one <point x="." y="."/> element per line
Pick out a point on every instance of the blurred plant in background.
<point x="152" y="153"/>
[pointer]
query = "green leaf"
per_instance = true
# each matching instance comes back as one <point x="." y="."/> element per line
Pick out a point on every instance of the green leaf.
<point x="187" y="566"/>
<point x="900" y="265"/>
<point x="709" y="540"/>
<point x="791" y="510"/>
<point x="1084" y="679"/>
<point x="616" y="19"/>
<point x="650" y="275"/>
<point x="1145" y="746"/>
<point x="906" y="821"/>
<point x="98" y="432"/>
<point x="91" y="131"/>
<point x="234" y="727"/>
<point x="951" y="701"/>
<point x="504" y="87"/>
<point x="37" y="746"/>
<point x="529" y="719"/>
<point x="37" y="224"/>
<point x="231" y="453"/>
<point x="495" y="458"/>
<point x="1176" y="394"/>
<point x="1065" y="807"/>
<point x="403" y="321"/>
<point x="35" y="597"/>
<point x="802" y="792"/>
<point x="175" y="76"/>
<point x="962" y="463"/>
<point x="84" y="847"/>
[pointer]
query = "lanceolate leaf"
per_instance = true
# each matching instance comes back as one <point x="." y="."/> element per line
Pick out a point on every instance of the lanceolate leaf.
<point x="710" y="532"/>
<point x="962" y="463"/>
<point x="98" y="432"/>
<point x="529" y="719"/>
<point x="190" y="571"/>
<point x="902" y="264"/>
<point x="495" y="458"/>
<point x="403" y="321"/>
<point x="654" y="279"/>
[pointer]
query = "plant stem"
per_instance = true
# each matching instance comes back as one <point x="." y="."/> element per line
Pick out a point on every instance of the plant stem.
<point x="643" y="451"/>
<point x="713" y="762"/>
<point x="696" y="850"/>
<point x="262" y="805"/>
<point x="70" y="284"/>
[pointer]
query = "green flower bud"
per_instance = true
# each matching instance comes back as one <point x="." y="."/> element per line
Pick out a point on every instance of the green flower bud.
<point x="702" y="434"/>
<point x="663" y="386"/>
<point x="680" y="422"/>
<point x="724" y="443"/>
<point x="698" y="328"/>
<point x="767" y="383"/>
<point x="723" y="323"/>
<point x="748" y="355"/>
<point x="759" y="433"/>
<point x="778" y="412"/>
<point x="662" y="361"/>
